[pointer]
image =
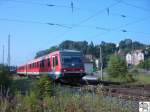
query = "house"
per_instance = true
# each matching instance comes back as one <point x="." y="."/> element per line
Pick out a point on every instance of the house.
<point x="138" y="56"/>
<point x="89" y="57"/>
<point x="88" y="65"/>
<point x="135" y="57"/>
<point x="129" y="58"/>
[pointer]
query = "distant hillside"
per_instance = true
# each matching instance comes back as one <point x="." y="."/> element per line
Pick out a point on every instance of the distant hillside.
<point x="108" y="49"/>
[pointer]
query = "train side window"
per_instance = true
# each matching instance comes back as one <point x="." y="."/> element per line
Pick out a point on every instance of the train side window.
<point x="53" y="61"/>
<point x="37" y="64"/>
<point x="48" y="62"/>
<point x="43" y="62"/>
<point x="32" y="65"/>
<point x="40" y="64"/>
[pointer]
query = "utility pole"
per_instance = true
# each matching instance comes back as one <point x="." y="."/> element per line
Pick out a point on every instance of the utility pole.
<point x="101" y="63"/>
<point x="132" y="51"/>
<point x="3" y="55"/>
<point x="8" y="51"/>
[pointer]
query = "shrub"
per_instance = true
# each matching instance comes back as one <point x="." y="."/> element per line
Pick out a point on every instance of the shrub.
<point x="144" y="64"/>
<point x="117" y="70"/>
<point x="44" y="87"/>
<point x="116" y="67"/>
<point x="5" y="80"/>
<point x="130" y="78"/>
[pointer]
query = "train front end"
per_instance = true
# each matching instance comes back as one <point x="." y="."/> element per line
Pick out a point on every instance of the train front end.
<point x="72" y="66"/>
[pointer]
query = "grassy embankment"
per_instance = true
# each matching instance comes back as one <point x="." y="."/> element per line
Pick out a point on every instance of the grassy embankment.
<point x="58" y="102"/>
<point x="143" y="78"/>
<point x="139" y="78"/>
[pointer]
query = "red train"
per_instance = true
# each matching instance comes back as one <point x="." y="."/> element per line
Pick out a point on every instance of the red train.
<point x="62" y="64"/>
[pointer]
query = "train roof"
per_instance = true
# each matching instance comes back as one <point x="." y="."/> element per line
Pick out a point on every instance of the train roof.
<point x="67" y="50"/>
<point x="47" y="55"/>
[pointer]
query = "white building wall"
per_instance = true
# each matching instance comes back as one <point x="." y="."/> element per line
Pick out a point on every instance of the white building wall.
<point x="129" y="58"/>
<point x="134" y="58"/>
<point x="88" y="68"/>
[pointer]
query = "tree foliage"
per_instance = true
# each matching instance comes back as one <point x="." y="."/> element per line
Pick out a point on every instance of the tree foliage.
<point x="44" y="87"/>
<point x="108" y="48"/>
<point x="128" y="45"/>
<point x="44" y="52"/>
<point x="145" y="64"/>
<point x="116" y="67"/>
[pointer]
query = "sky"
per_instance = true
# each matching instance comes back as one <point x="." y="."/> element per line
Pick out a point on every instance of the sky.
<point x="36" y="25"/>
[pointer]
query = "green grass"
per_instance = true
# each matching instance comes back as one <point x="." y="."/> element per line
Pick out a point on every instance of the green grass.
<point x="143" y="78"/>
<point x="139" y="79"/>
<point x="61" y="101"/>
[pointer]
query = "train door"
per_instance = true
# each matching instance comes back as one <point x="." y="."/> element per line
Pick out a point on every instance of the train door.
<point x="55" y="63"/>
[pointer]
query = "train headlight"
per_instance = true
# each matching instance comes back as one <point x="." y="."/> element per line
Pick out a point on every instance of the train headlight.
<point x="81" y="70"/>
<point x="64" y="70"/>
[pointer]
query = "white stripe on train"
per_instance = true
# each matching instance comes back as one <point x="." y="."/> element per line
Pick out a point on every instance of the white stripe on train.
<point x="37" y="73"/>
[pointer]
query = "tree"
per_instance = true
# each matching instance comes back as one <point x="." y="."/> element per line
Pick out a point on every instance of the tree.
<point x="116" y="67"/>
<point x="108" y="49"/>
<point x="44" y="52"/>
<point x="91" y="49"/>
<point x="145" y="64"/>
<point x="128" y="45"/>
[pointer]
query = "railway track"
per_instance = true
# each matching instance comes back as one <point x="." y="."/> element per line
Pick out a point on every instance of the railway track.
<point x="121" y="90"/>
<point x="129" y="92"/>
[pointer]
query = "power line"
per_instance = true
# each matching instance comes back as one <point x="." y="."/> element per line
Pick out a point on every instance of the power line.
<point x="97" y="13"/>
<point x="127" y="24"/>
<point x="134" y="22"/>
<point x="30" y="3"/>
<point x="92" y="16"/>
<point x="68" y="26"/>
<point x="135" y="6"/>
<point x="53" y="24"/>
<point x="33" y="22"/>
<point x="122" y="15"/>
<point x="126" y="31"/>
<point x="49" y="5"/>
<point x="21" y="21"/>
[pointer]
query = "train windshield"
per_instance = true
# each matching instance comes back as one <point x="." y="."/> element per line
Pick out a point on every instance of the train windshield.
<point x="71" y="59"/>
